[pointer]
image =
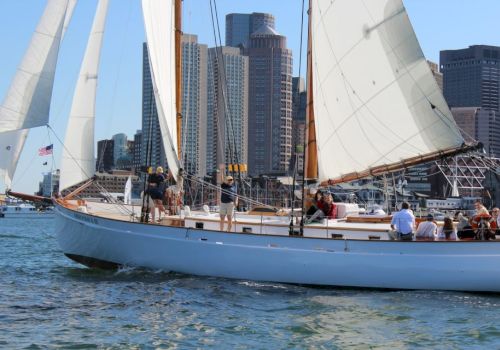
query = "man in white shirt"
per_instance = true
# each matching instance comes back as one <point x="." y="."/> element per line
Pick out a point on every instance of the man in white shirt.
<point x="426" y="230"/>
<point x="404" y="223"/>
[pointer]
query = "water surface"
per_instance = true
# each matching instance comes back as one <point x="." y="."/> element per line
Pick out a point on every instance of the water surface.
<point x="49" y="302"/>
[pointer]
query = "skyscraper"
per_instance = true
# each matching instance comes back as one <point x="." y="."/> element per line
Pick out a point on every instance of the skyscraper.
<point x="299" y="98"/>
<point x="479" y="124"/>
<point x="137" y="151"/>
<point x="105" y="155"/>
<point x="270" y="102"/>
<point x="227" y="137"/>
<point x="194" y="105"/>
<point x="152" y="153"/>
<point x="240" y="26"/>
<point x="471" y="77"/>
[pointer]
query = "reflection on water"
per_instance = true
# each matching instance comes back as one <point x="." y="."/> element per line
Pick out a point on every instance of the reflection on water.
<point x="47" y="301"/>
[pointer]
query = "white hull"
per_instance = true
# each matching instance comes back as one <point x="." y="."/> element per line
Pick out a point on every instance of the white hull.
<point x="467" y="266"/>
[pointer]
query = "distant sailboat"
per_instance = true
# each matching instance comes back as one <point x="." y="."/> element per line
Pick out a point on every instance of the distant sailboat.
<point x="376" y="109"/>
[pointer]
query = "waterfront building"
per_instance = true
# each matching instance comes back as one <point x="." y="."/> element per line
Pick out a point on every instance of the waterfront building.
<point x="479" y="124"/>
<point x="194" y="105"/>
<point x="50" y="183"/>
<point x="137" y="151"/>
<point x="471" y="76"/>
<point x="152" y="152"/>
<point x="105" y="155"/>
<point x="227" y="124"/>
<point x="239" y="27"/>
<point x="299" y="102"/>
<point x="270" y="103"/>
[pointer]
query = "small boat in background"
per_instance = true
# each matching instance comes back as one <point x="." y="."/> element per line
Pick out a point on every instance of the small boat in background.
<point x="14" y="209"/>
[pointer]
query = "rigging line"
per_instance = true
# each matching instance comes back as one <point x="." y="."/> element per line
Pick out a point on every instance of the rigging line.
<point x="69" y="153"/>
<point x="234" y="154"/>
<point x="51" y="165"/>
<point x="118" y="74"/>
<point x="306" y="129"/>
<point x="221" y="78"/>
<point x="219" y="143"/>
<point x="187" y="115"/>
<point x="219" y="51"/>
<point x="215" y="187"/>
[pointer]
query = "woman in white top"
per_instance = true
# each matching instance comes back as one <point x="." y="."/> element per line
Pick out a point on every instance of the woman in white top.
<point x="447" y="232"/>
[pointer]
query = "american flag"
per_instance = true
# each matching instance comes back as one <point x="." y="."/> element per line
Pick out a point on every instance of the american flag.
<point x="45" y="151"/>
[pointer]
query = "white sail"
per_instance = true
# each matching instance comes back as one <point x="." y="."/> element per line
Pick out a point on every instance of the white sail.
<point x="159" y="22"/>
<point x="127" y="195"/>
<point x="27" y="102"/>
<point x="78" y="163"/>
<point x="375" y="99"/>
<point x="12" y="142"/>
<point x="11" y="145"/>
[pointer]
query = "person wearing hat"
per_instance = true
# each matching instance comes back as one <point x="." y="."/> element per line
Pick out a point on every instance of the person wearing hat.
<point x="155" y="191"/>
<point x="228" y="199"/>
<point x="426" y="230"/>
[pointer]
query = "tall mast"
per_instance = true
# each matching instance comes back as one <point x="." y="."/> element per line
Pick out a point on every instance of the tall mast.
<point x="311" y="156"/>
<point x="178" y="72"/>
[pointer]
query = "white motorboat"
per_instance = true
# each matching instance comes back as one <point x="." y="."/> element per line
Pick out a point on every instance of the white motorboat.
<point x="25" y="211"/>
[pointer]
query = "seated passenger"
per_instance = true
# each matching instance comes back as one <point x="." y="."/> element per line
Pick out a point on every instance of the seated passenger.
<point x="314" y="204"/>
<point x="426" y="230"/>
<point x="448" y="232"/>
<point x="327" y="206"/>
<point x="464" y="229"/>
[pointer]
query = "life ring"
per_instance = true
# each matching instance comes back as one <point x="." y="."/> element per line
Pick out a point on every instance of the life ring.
<point x="483" y="217"/>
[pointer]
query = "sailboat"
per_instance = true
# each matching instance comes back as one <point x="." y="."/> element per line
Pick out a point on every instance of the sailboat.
<point x="374" y="108"/>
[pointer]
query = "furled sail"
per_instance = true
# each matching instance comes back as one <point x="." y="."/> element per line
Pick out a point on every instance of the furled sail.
<point x="12" y="142"/>
<point x="27" y="102"/>
<point x="77" y="162"/>
<point x="159" y="22"/>
<point x="376" y="103"/>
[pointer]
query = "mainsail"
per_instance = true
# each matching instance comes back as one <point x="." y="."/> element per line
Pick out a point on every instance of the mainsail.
<point x="376" y="102"/>
<point x="31" y="89"/>
<point x="159" y="22"/>
<point x="77" y="162"/>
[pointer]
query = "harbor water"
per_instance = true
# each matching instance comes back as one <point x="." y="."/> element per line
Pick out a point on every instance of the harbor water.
<point x="49" y="302"/>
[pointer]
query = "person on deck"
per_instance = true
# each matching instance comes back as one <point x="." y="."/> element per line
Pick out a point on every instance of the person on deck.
<point x="228" y="200"/>
<point x="426" y="230"/>
<point x="495" y="214"/>
<point x="481" y="222"/>
<point x="448" y="232"/>
<point x="481" y="209"/>
<point x="403" y="222"/>
<point x="155" y="191"/>
<point x="327" y="206"/>
<point x="314" y="204"/>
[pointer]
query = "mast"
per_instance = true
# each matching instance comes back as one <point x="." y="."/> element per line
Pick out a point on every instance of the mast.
<point x="311" y="156"/>
<point x="178" y="72"/>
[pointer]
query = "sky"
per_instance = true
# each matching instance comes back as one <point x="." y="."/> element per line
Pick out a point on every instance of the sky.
<point x="439" y="25"/>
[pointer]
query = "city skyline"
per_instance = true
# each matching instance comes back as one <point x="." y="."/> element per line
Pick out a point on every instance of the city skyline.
<point x="439" y="26"/>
